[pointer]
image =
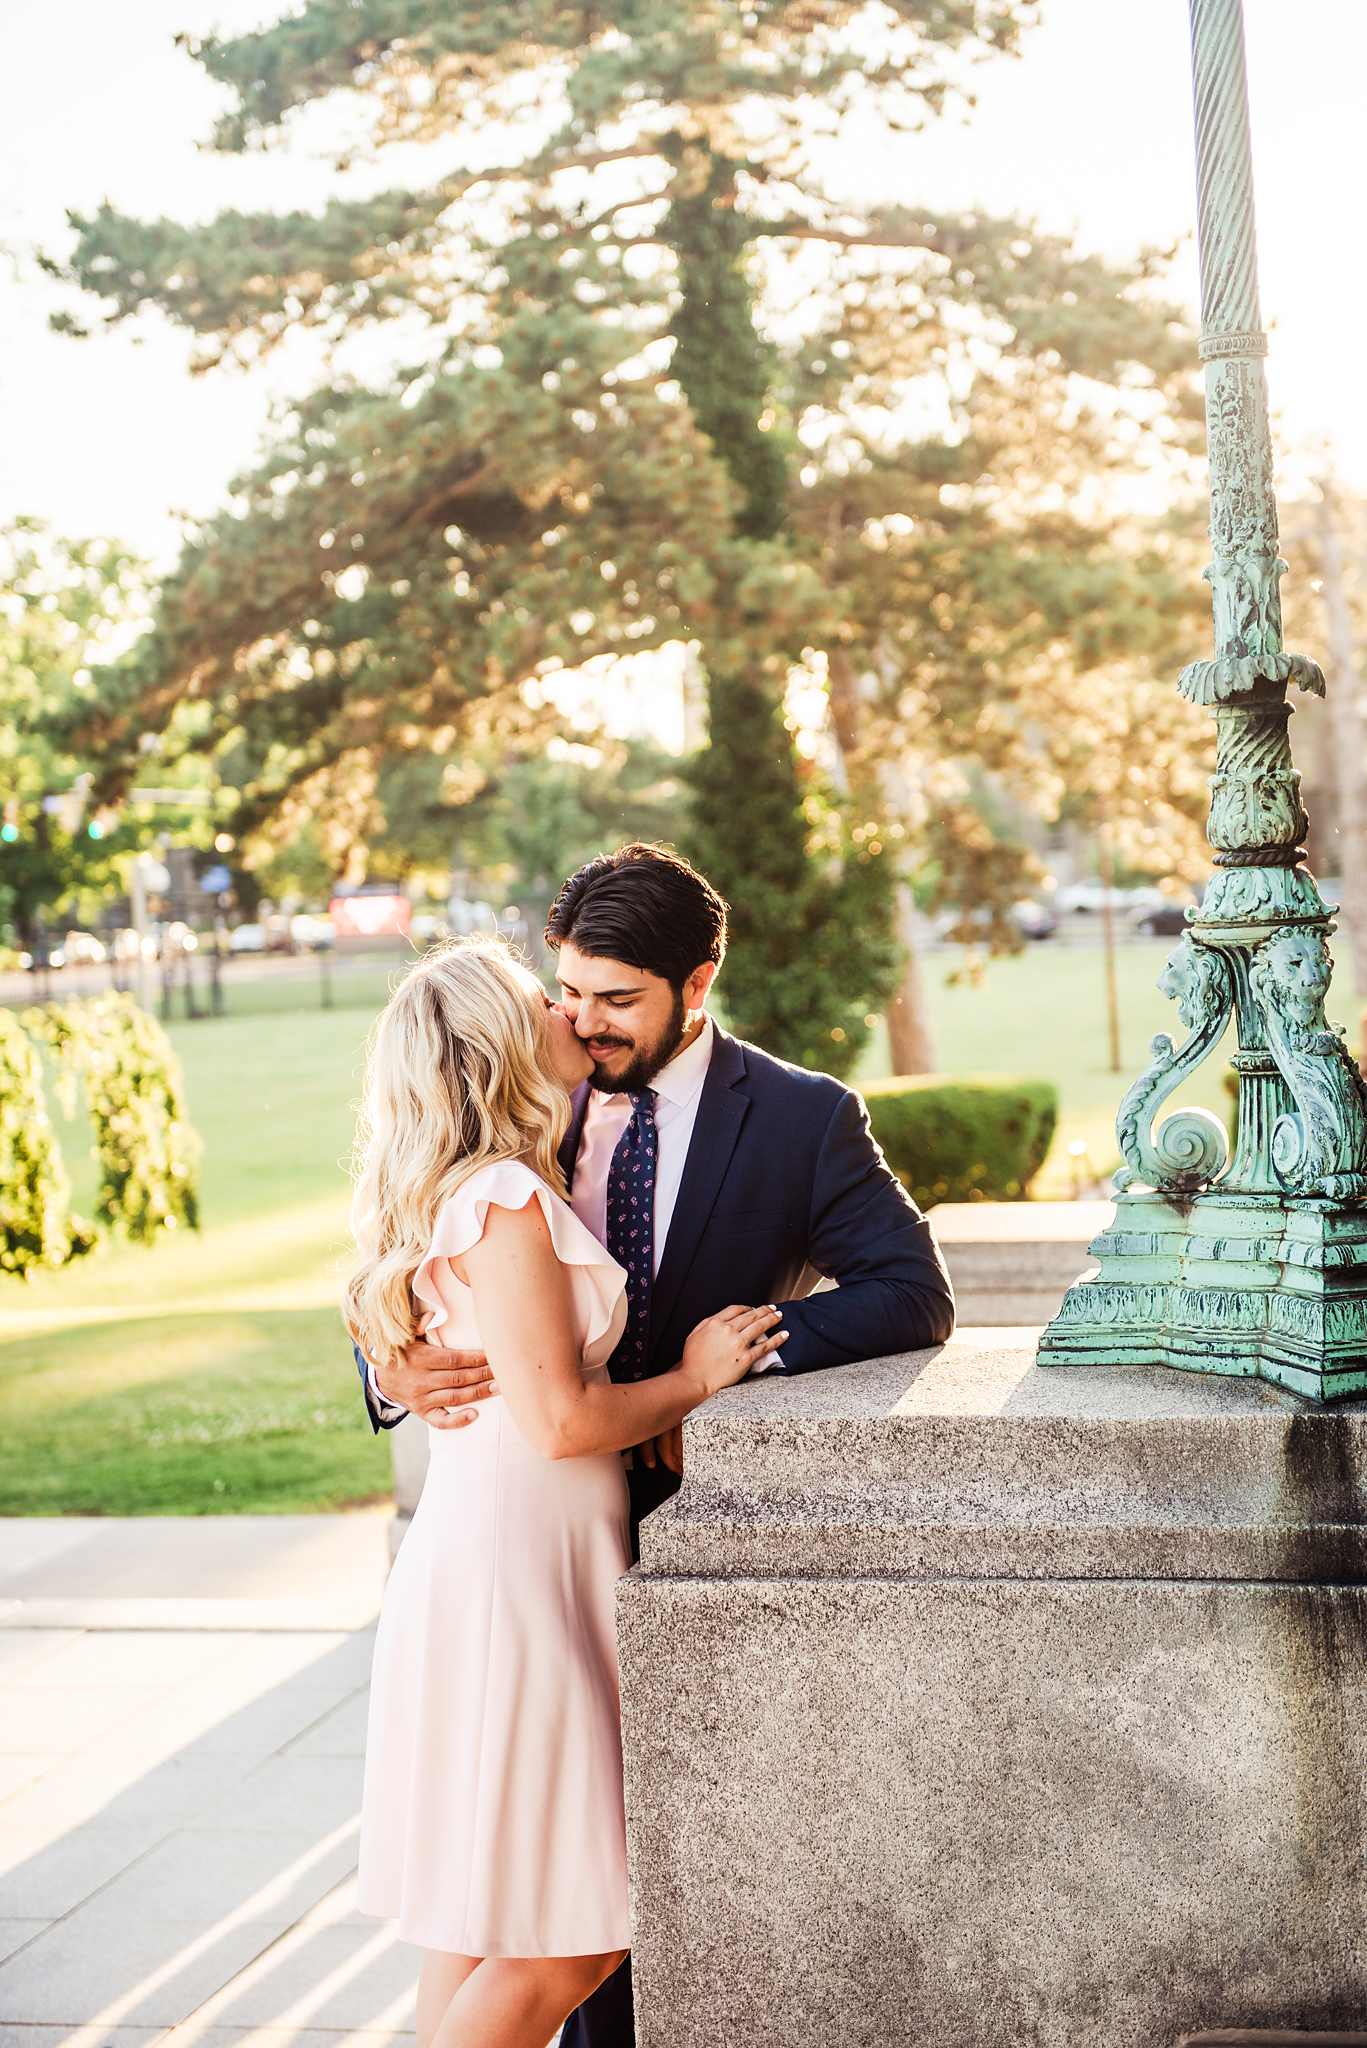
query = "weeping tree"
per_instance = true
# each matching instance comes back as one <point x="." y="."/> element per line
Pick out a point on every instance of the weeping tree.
<point x="109" y="1050"/>
<point x="36" y="1225"/>
<point x="600" y="442"/>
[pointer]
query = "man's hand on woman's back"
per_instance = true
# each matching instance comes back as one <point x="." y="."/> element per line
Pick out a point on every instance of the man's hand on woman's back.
<point x="439" y="1385"/>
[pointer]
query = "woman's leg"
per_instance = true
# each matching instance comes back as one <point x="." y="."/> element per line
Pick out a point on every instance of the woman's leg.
<point x="439" y="1980"/>
<point x="518" y="2001"/>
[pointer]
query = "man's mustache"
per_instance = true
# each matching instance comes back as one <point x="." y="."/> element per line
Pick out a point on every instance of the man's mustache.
<point x="604" y="1038"/>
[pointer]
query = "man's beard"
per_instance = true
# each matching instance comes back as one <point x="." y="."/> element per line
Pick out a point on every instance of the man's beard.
<point x="642" y="1069"/>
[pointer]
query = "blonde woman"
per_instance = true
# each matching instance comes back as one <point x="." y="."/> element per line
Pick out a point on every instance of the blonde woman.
<point x="492" y="1825"/>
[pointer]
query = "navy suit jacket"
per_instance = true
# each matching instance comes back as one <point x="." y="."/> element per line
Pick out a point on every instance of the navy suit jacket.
<point x="784" y="1184"/>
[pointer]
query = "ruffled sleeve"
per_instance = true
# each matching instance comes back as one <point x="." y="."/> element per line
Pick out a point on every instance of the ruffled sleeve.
<point x="597" y="1282"/>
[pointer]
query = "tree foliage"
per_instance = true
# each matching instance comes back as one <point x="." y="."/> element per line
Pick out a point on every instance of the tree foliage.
<point x="662" y="383"/>
<point x="119" y="1057"/>
<point x="145" y="1145"/>
<point x="64" y="608"/>
<point x="36" y="1226"/>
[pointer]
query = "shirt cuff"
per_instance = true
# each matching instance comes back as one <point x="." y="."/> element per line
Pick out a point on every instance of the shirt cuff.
<point x="382" y="1401"/>
<point x="772" y="1361"/>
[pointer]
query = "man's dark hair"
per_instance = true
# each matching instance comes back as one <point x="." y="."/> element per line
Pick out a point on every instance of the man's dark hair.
<point x="643" y="905"/>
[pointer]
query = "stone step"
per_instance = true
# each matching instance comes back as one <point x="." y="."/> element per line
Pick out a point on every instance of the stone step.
<point x="1013" y="1262"/>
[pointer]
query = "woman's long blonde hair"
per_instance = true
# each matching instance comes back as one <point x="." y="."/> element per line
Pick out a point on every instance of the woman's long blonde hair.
<point x="457" y="1075"/>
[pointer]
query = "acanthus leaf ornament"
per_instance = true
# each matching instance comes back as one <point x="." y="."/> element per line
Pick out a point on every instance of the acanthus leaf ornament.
<point x="1189" y="1149"/>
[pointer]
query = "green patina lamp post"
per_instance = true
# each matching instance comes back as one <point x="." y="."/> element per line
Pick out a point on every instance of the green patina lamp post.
<point x="1255" y="1265"/>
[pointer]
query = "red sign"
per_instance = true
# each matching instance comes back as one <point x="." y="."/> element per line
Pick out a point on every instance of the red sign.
<point x="369" y="917"/>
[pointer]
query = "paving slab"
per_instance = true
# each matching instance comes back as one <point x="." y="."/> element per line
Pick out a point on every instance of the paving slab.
<point x="182" y="1715"/>
<point x="118" y="1790"/>
<point x="22" y="1647"/>
<point x="195" y="1874"/>
<point x="317" y="1976"/>
<point x="341" y="1732"/>
<point x="140" y="1974"/>
<point x="96" y="2036"/>
<point x="50" y="1873"/>
<point x="18" y="1771"/>
<point x="202" y="1572"/>
<point x="17" y="1934"/>
<point x="110" y="1659"/>
<point x="216" y="1721"/>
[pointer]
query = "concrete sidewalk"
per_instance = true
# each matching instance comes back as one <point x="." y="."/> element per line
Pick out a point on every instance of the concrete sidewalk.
<point x="182" y="1721"/>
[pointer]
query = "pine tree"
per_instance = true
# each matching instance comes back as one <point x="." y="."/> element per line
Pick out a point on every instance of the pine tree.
<point x="547" y="481"/>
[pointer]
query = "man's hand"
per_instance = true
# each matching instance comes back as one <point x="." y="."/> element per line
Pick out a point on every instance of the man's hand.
<point x="437" y="1384"/>
<point x="667" y="1448"/>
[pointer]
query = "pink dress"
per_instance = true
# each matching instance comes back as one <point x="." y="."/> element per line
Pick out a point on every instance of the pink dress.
<point x="492" y="1821"/>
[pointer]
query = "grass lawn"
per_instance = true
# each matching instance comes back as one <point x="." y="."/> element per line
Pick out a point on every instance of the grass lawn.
<point x="1042" y="1013"/>
<point x="211" y="1375"/>
<point x="187" y="1414"/>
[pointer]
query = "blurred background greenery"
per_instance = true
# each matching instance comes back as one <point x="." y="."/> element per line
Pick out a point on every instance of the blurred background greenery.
<point x="211" y="1373"/>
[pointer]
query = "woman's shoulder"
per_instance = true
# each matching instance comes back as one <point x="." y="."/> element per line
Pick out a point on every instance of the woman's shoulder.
<point x="596" y="1279"/>
<point x="501" y="1183"/>
<point x="512" y="1184"/>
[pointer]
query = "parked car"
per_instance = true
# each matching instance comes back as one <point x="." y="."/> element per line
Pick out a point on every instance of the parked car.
<point x="1032" y="920"/>
<point x="247" y="938"/>
<point x="1159" y="920"/>
<point x="1089" y="897"/>
<point x="311" y="934"/>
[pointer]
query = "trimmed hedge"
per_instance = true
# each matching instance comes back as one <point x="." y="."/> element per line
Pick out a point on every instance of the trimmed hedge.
<point x="962" y="1137"/>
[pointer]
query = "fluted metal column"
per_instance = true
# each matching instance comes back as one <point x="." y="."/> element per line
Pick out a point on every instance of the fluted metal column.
<point x="1259" y="1264"/>
<point x="1224" y="175"/>
<point x="1249" y="659"/>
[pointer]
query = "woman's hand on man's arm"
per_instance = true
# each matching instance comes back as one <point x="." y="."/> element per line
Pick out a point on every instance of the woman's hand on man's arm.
<point x="522" y="1307"/>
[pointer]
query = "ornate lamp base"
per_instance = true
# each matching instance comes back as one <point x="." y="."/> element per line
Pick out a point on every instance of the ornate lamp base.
<point x="1229" y="1283"/>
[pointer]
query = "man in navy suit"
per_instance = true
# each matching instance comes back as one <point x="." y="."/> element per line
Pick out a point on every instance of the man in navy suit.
<point x="763" y="1179"/>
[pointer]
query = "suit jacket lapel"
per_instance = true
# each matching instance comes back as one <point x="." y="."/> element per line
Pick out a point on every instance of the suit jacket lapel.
<point x="569" y="1144"/>
<point x="721" y="1112"/>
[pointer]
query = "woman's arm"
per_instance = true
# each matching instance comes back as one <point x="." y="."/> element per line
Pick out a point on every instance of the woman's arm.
<point x="522" y="1307"/>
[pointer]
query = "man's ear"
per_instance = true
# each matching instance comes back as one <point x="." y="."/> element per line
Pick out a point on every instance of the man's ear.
<point x="698" y="983"/>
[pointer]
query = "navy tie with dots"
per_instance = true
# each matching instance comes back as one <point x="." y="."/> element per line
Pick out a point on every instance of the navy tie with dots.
<point x="631" y="1231"/>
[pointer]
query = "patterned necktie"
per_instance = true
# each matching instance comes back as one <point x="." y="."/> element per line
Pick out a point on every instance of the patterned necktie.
<point x="631" y="1231"/>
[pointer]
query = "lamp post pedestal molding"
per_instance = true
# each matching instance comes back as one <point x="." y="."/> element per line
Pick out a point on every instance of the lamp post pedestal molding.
<point x="1255" y="1265"/>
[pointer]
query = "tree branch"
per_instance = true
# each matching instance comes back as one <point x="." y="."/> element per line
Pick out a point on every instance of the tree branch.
<point x="806" y="231"/>
<point x="545" y="167"/>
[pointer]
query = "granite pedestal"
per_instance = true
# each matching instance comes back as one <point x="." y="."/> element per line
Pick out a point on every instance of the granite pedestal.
<point x="1010" y="1262"/>
<point x="971" y="1704"/>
